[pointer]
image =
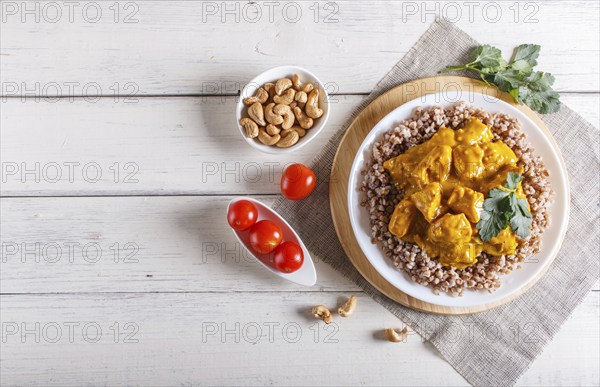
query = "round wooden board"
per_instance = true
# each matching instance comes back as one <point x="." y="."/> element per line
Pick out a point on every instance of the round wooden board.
<point x="347" y="149"/>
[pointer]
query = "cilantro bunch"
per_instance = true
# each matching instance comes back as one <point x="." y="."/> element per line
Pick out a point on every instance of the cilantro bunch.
<point x="503" y="208"/>
<point x="533" y="88"/>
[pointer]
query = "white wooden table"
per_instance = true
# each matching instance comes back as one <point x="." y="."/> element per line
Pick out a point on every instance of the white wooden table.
<point x="117" y="263"/>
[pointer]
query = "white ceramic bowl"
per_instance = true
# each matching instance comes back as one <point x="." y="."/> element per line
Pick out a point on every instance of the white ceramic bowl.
<point x="273" y="75"/>
<point x="306" y="275"/>
<point x="531" y="267"/>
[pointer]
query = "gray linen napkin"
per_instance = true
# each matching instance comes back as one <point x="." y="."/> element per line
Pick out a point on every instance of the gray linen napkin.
<point x="495" y="347"/>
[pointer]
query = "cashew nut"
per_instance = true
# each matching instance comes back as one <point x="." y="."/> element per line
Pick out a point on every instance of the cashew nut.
<point x="289" y="138"/>
<point x="301" y="132"/>
<point x="301" y="97"/>
<point x="285" y="132"/>
<point x="266" y="139"/>
<point x="348" y="308"/>
<point x="312" y="105"/>
<point x="293" y="104"/>
<point x="261" y="96"/>
<point x="287" y="97"/>
<point x="296" y="82"/>
<point x="250" y="127"/>
<point x="307" y="88"/>
<point x="270" y="88"/>
<point x="393" y="336"/>
<point x="304" y="121"/>
<point x="286" y="112"/>
<point x="272" y="129"/>
<point x="256" y="113"/>
<point x="271" y="117"/>
<point x="282" y="85"/>
<point x="321" y="312"/>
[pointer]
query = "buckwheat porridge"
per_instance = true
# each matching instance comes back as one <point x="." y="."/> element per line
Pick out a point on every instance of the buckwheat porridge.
<point x="456" y="197"/>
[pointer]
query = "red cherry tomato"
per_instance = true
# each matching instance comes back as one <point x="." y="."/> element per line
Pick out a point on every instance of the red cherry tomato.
<point x="288" y="257"/>
<point x="265" y="236"/>
<point x="242" y="215"/>
<point x="297" y="182"/>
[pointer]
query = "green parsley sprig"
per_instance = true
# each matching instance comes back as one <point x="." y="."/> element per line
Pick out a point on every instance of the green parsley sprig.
<point x="502" y="209"/>
<point x="533" y="88"/>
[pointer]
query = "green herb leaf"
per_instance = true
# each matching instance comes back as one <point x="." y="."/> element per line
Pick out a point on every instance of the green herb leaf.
<point x="533" y="88"/>
<point x="508" y="79"/>
<point x="487" y="56"/>
<point x="527" y="53"/>
<point x="544" y="102"/>
<point x="494" y="69"/>
<point x="498" y="200"/>
<point x="540" y="81"/>
<point x="521" y="221"/>
<point x="522" y="66"/>
<point x="490" y="224"/>
<point x="502" y="208"/>
<point x="513" y="180"/>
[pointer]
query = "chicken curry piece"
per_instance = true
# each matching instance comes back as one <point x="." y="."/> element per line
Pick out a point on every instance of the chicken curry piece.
<point x="445" y="181"/>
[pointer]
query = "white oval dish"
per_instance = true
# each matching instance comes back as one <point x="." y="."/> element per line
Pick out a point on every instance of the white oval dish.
<point x="512" y="282"/>
<point x="272" y="75"/>
<point x="306" y="275"/>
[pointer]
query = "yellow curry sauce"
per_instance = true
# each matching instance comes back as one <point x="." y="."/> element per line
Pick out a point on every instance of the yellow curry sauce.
<point x="445" y="181"/>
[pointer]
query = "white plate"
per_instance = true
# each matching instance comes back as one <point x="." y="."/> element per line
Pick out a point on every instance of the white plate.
<point x="511" y="283"/>
<point x="306" y="275"/>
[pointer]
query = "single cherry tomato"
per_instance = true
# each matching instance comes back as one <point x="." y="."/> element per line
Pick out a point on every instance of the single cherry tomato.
<point x="265" y="236"/>
<point x="297" y="182"/>
<point x="288" y="257"/>
<point x="242" y="215"/>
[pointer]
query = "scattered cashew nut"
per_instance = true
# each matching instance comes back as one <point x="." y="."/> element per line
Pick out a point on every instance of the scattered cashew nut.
<point x="256" y="113"/>
<point x="261" y="96"/>
<point x="282" y="85"/>
<point x="264" y="137"/>
<point x="250" y="127"/>
<point x="271" y="117"/>
<point x="289" y="138"/>
<point x="393" y="336"/>
<point x="286" y="112"/>
<point x="348" y="308"/>
<point x="286" y="98"/>
<point x="272" y="129"/>
<point x="321" y="312"/>
<point x="312" y="105"/>
<point x="305" y="121"/>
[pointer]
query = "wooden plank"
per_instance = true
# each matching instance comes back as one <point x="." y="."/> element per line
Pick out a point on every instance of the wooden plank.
<point x="193" y="47"/>
<point x="157" y="146"/>
<point x="225" y="339"/>
<point x="133" y="244"/>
